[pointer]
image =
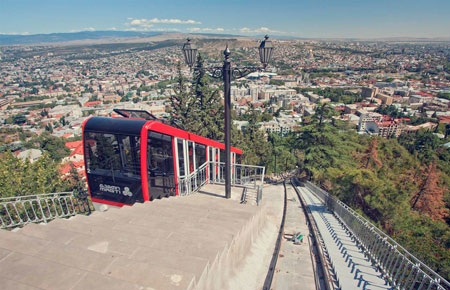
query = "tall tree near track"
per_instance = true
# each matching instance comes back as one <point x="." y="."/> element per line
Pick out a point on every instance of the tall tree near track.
<point x="181" y="103"/>
<point x="208" y="106"/>
<point x="198" y="108"/>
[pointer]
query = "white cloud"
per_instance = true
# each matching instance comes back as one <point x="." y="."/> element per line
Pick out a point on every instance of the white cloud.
<point x="84" y="29"/>
<point x="149" y="22"/>
<point x="261" y="29"/>
<point x="206" y="29"/>
<point x="15" y="33"/>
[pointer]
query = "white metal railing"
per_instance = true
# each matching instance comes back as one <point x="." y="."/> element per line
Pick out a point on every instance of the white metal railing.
<point x="214" y="172"/>
<point x="400" y="267"/>
<point x="192" y="182"/>
<point x="21" y="210"/>
<point x="241" y="174"/>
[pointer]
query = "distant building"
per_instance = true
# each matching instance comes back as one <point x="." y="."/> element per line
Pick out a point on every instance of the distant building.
<point x="369" y="93"/>
<point x="385" y="99"/>
<point x="385" y="129"/>
<point x="30" y="154"/>
<point x="366" y="118"/>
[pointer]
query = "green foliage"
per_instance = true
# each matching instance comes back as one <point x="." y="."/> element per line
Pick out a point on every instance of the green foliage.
<point x="16" y="119"/>
<point x="422" y="144"/>
<point x="444" y="95"/>
<point x="382" y="189"/>
<point x="53" y="145"/>
<point x="336" y="95"/>
<point x="199" y="110"/>
<point x="19" y="177"/>
<point x="391" y="111"/>
<point x="276" y="82"/>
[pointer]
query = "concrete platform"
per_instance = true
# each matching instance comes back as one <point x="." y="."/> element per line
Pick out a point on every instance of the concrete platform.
<point x="192" y="242"/>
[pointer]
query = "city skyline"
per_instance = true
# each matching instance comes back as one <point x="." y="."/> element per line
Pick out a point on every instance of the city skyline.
<point x="318" y="19"/>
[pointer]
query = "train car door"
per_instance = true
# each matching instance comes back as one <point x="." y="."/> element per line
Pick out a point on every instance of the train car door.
<point x="161" y="173"/>
<point x="181" y="161"/>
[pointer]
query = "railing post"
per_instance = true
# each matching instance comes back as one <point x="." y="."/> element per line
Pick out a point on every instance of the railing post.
<point x="42" y="211"/>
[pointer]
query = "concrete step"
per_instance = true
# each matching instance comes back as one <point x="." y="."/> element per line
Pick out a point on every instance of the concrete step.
<point x="19" y="243"/>
<point x="149" y="275"/>
<point x="62" y="260"/>
<point x="13" y="285"/>
<point x="113" y="241"/>
<point x="38" y="272"/>
<point x="59" y="252"/>
<point x="175" y="243"/>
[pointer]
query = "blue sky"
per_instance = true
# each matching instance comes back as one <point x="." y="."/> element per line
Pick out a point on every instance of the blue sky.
<point x="303" y="18"/>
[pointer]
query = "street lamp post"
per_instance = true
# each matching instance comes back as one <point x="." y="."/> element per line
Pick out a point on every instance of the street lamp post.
<point x="226" y="73"/>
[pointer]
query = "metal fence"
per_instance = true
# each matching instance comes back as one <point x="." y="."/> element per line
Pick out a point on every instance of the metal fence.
<point x="241" y="174"/>
<point x="21" y="210"/>
<point x="192" y="182"/>
<point x="400" y="268"/>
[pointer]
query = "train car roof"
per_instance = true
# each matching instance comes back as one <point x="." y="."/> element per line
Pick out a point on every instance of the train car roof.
<point x="129" y="126"/>
<point x="114" y="125"/>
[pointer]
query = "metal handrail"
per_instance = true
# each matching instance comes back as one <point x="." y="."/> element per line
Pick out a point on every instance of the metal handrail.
<point x="241" y="174"/>
<point x="250" y="176"/>
<point x="21" y="210"/>
<point x="400" y="267"/>
<point x="192" y="182"/>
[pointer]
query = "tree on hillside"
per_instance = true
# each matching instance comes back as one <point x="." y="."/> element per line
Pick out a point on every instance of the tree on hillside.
<point x="371" y="155"/>
<point x="181" y="103"/>
<point x="199" y="110"/>
<point x="323" y="111"/>
<point x="208" y="107"/>
<point x="19" y="177"/>
<point x="430" y="198"/>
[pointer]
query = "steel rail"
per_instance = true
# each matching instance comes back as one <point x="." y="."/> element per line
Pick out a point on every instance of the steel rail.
<point x="323" y="263"/>
<point x="402" y="269"/>
<point x="273" y="263"/>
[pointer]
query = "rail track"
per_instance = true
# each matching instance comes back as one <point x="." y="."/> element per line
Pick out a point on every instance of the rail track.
<point x="323" y="275"/>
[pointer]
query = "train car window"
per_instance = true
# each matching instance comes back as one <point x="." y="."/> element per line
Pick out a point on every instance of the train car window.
<point x="113" y="155"/>
<point x="131" y="152"/>
<point x="161" y="179"/>
<point x="222" y="155"/>
<point x="181" y="157"/>
<point x="238" y="158"/>
<point x="103" y="153"/>
<point x="200" y="154"/>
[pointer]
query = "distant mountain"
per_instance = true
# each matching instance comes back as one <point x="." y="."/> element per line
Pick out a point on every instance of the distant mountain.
<point x="6" y="39"/>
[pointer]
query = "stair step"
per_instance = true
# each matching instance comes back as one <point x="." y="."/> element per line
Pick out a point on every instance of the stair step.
<point x="19" y="243"/>
<point x="13" y="285"/>
<point x="46" y="232"/>
<point x="98" y="281"/>
<point x="148" y="275"/>
<point x="38" y="272"/>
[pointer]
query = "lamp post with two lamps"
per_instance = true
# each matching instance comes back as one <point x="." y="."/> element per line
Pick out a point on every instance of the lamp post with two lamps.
<point x="227" y="72"/>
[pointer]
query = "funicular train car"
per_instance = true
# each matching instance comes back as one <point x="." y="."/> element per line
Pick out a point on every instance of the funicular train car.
<point x="138" y="158"/>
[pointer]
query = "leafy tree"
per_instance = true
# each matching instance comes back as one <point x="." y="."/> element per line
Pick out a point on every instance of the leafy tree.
<point x="181" y="103"/>
<point x="53" y="145"/>
<point x="41" y="176"/>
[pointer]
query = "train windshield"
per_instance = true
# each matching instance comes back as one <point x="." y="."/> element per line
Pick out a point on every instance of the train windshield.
<point x="113" y="166"/>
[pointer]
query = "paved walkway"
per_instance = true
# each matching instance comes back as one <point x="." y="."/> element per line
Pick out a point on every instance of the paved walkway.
<point x="353" y="269"/>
